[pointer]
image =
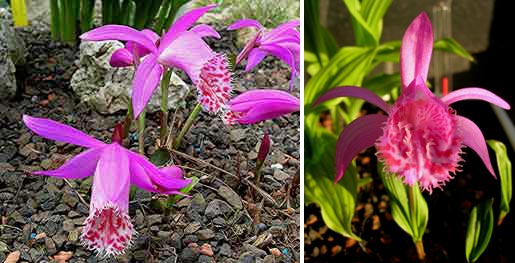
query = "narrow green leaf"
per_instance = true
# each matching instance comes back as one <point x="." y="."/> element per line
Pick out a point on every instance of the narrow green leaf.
<point x="172" y="199"/>
<point x="347" y="67"/>
<point x="452" y="46"/>
<point x="337" y="201"/>
<point x="383" y="84"/>
<point x="504" y="167"/>
<point x="107" y="12"/>
<point x="411" y="215"/>
<point x="388" y="52"/>
<point x="373" y="12"/>
<point x="479" y="230"/>
<point x="142" y="11"/>
<point x="128" y="11"/>
<point x="55" y="20"/>
<point x="86" y="15"/>
<point x="163" y="13"/>
<point x="154" y="8"/>
<point x="318" y="41"/>
<point x="364" y="34"/>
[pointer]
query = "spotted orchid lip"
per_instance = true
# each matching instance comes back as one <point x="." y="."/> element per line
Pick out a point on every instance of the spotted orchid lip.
<point x="108" y="229"/>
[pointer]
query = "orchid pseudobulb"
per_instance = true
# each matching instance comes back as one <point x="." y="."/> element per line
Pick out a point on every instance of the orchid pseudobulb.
<point x="422" y="138"/>
<point x="108" y="229"/>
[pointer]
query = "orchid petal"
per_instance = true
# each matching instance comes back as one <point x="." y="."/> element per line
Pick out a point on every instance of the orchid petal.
<point x="282" y="53"/>
<point x="142" y="179"/>
<point x="285" y="55"/>
<point x="264" y="104"/>
<point x="80" y="166"/>
<point x="111" y="180"/>
<point x="355" y="92"/>
<point x="53" y="130"/>
<point x="182" y="24"/>
<point x="473" y="138"/>
<point x="146" y="79"/>
<point x="416" y="48"/>
<point x="356" y="137"/>
<point x="188" y="52"/>
<point x="287" y="28"/>
<point x="119" y="32"/>
<point x="266" y="111"/>
<point x="245" y="23"/>
<point x="262" y="95"/>
<point x="150" y="173"/>
<point x="255" y="57"/>
<point x="205" y="31"/>
<point x="474" y="94"/>
<point x="173" y="171"/>
<point x="249" y="46"/>
<point x="121" y="57"/>
<point x="150" y="35"/>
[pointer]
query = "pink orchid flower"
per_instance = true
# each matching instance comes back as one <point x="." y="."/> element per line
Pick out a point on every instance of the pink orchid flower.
<point x="179" y="47"/>
<point x="422" y="138"/>
<point x="282" y="42"/>
<point x="108" y="229"/>
<point x="258" y="105"/>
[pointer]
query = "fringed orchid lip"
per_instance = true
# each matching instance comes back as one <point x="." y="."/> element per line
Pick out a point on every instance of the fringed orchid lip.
<point x="422" y="138"/>
<point x="108" y="229"/>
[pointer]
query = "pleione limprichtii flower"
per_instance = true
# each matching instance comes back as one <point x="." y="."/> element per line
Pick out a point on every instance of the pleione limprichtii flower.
<point x="108" y="229"/>
<point x="421" y="138"/>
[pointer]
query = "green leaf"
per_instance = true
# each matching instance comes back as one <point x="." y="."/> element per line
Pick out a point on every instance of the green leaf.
<point x="348" y="67"/>
<point x="160" y="157"/>
<point x="367" y="20"/>
<point x="479" y="230"/>
<point x="411" y="214"/>
<point x="383" y="84"/>
<point x="388" y="52"/>
<point x="337" y="201"/>
<point x="452" y="46"/>
<point x="319" y="44"/>
<point x="172" y="199"/>
<point x="504" y="166"/>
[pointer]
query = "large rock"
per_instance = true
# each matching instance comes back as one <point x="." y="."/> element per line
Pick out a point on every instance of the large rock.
<point x="107" y="89"/>
<point x="12" y="53"/>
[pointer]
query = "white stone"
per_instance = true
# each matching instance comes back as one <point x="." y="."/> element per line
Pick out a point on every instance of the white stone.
<point x="107" y="89"/>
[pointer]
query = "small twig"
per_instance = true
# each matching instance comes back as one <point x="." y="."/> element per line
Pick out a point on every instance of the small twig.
<point x="260" y="191"/>
<point x="76" y="192"/>
<point x="207" y="186"/>
<point x="295" y="181"/>
<point x="11" y="227"/>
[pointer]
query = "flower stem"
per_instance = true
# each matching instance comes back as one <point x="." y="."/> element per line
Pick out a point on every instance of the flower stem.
<point x="187" y="125"/>
<point x="128" y="120"/>
<point x="141" y="133"/>
<point x="165" y="83"/>
<point x="419" y="245"/>
<point x="259" y="164"/>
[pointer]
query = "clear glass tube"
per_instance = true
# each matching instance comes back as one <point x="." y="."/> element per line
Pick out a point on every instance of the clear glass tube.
<point x="442" y="28"/>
